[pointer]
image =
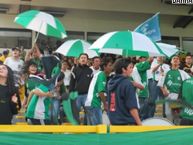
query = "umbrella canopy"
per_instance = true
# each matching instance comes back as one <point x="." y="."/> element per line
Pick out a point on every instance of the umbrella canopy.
<point x="75" y="47"/>
<point x="168" y="49"/>
<point x="41" y="22"/>
<point x="126" y="43"/>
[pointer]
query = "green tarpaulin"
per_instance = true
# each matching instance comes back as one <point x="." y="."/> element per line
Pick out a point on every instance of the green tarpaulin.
<point x="167" y="137"/>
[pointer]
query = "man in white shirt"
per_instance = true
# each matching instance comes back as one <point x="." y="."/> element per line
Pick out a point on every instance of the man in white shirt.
<point x="16" y="64"/>
<point x="158" y="68"/>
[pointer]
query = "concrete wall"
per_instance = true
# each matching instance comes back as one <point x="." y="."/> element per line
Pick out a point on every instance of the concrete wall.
<point x="106" y="15"/>
<point x="96" y="21"/>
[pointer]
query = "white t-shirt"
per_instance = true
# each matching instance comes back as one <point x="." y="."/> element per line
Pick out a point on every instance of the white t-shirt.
<point x="94" y="70"/>
<point x="157" y="73"/>
<point x="136" y="77"/>
<point x="16" y="66"/>
<point x="67" y="76"/>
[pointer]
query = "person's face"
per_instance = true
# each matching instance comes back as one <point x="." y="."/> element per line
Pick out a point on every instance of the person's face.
<point x="188" y="60"/>
<point x="96" y="63"/>
<point x="83" y="60"/>
<point x="15" y="53"/>
<point x="128" y="71"/>
<point x="175" y="61"/>
<point x="64" y="66"/>
<point x="3" y="71"/>
<point x="32" y="69"/>
<point x="160" y="59"/>
<point x="108" y="68"/>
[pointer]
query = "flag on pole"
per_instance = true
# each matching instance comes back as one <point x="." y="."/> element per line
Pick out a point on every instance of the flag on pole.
<point x="150" y="28"/>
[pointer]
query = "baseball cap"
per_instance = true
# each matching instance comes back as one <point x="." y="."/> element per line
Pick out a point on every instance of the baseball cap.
<point x="16" y="48"/>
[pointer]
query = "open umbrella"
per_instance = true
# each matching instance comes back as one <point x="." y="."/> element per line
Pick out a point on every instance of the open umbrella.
<point x="126" y="43"/>
<point x="41" y="22"/>
<point x="168" y="49"/>
<point x="75" y="47"/>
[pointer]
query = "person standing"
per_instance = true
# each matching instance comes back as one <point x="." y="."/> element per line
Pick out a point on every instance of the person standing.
<point x="122" y="101"/>
<point x="171" y="85"/>
<point x="158" y="68"/>
<point x="16" y="64"/>
<point x="65" y="68"/>
<point x="143" y="68"/>
<point x="96" y="62"/>
<point x="38" y="105"/>
<point x="97" y="94"/>
<point x="79" y="82"/>
<point x="8" y="99"/>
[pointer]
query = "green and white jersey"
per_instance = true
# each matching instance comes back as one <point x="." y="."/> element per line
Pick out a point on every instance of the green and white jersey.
<point x="187" y="97"/>
<point x="97" y="85"/>
<point x="164" y="79"/>
<point x="32" y="82"/>
<point x="173" y="81"/>
<point x="142" y="68"/>
<point x="38" y="107"/>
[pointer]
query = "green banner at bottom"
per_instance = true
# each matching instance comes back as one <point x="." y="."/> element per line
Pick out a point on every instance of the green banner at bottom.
<point x="171" y="137"/>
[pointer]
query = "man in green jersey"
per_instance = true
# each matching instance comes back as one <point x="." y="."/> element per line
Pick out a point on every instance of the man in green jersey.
<point x="96" y="94"/>
<point x="171" y="85"/>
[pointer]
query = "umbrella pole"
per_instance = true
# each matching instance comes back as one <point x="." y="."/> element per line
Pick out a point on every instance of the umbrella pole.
<point x="37" y="35"/>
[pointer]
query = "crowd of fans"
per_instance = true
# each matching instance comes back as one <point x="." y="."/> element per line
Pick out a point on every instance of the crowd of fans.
<point x="128" y="89"/>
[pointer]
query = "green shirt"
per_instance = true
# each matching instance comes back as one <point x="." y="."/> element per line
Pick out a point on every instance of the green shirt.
<point x="97" y="85"/>
<point x="173" y="81"/>
<point x="142" y="68"/>
<point x="38" y="107"/>
<point x="187" y="97"/>
<point x="32" y="82"/>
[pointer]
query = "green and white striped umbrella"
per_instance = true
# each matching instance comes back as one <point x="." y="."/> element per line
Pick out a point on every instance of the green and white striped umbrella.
<point x="41" y="22"/>
<point x="75" y="47"/>
<point x="126" y="43"/>
<point x="167" y="49"/>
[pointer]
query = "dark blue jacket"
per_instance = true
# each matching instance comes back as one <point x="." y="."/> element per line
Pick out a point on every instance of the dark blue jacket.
<point x="121" y="98"/>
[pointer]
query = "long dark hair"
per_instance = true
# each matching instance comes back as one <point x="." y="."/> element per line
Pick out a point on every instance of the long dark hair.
<point x="10" y="80"/>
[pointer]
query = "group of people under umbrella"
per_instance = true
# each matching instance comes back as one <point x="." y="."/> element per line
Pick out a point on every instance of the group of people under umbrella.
<point x="124" y="97"/>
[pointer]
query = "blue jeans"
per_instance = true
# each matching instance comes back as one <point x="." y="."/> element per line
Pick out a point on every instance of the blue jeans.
<point x="93" y="115"/>
<point x="54" y="111"/>
<point x="144" y="110"/>
<point x="38" y="121"/>
<point x="154" y="94"/>
<point x="80" y="101"/>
